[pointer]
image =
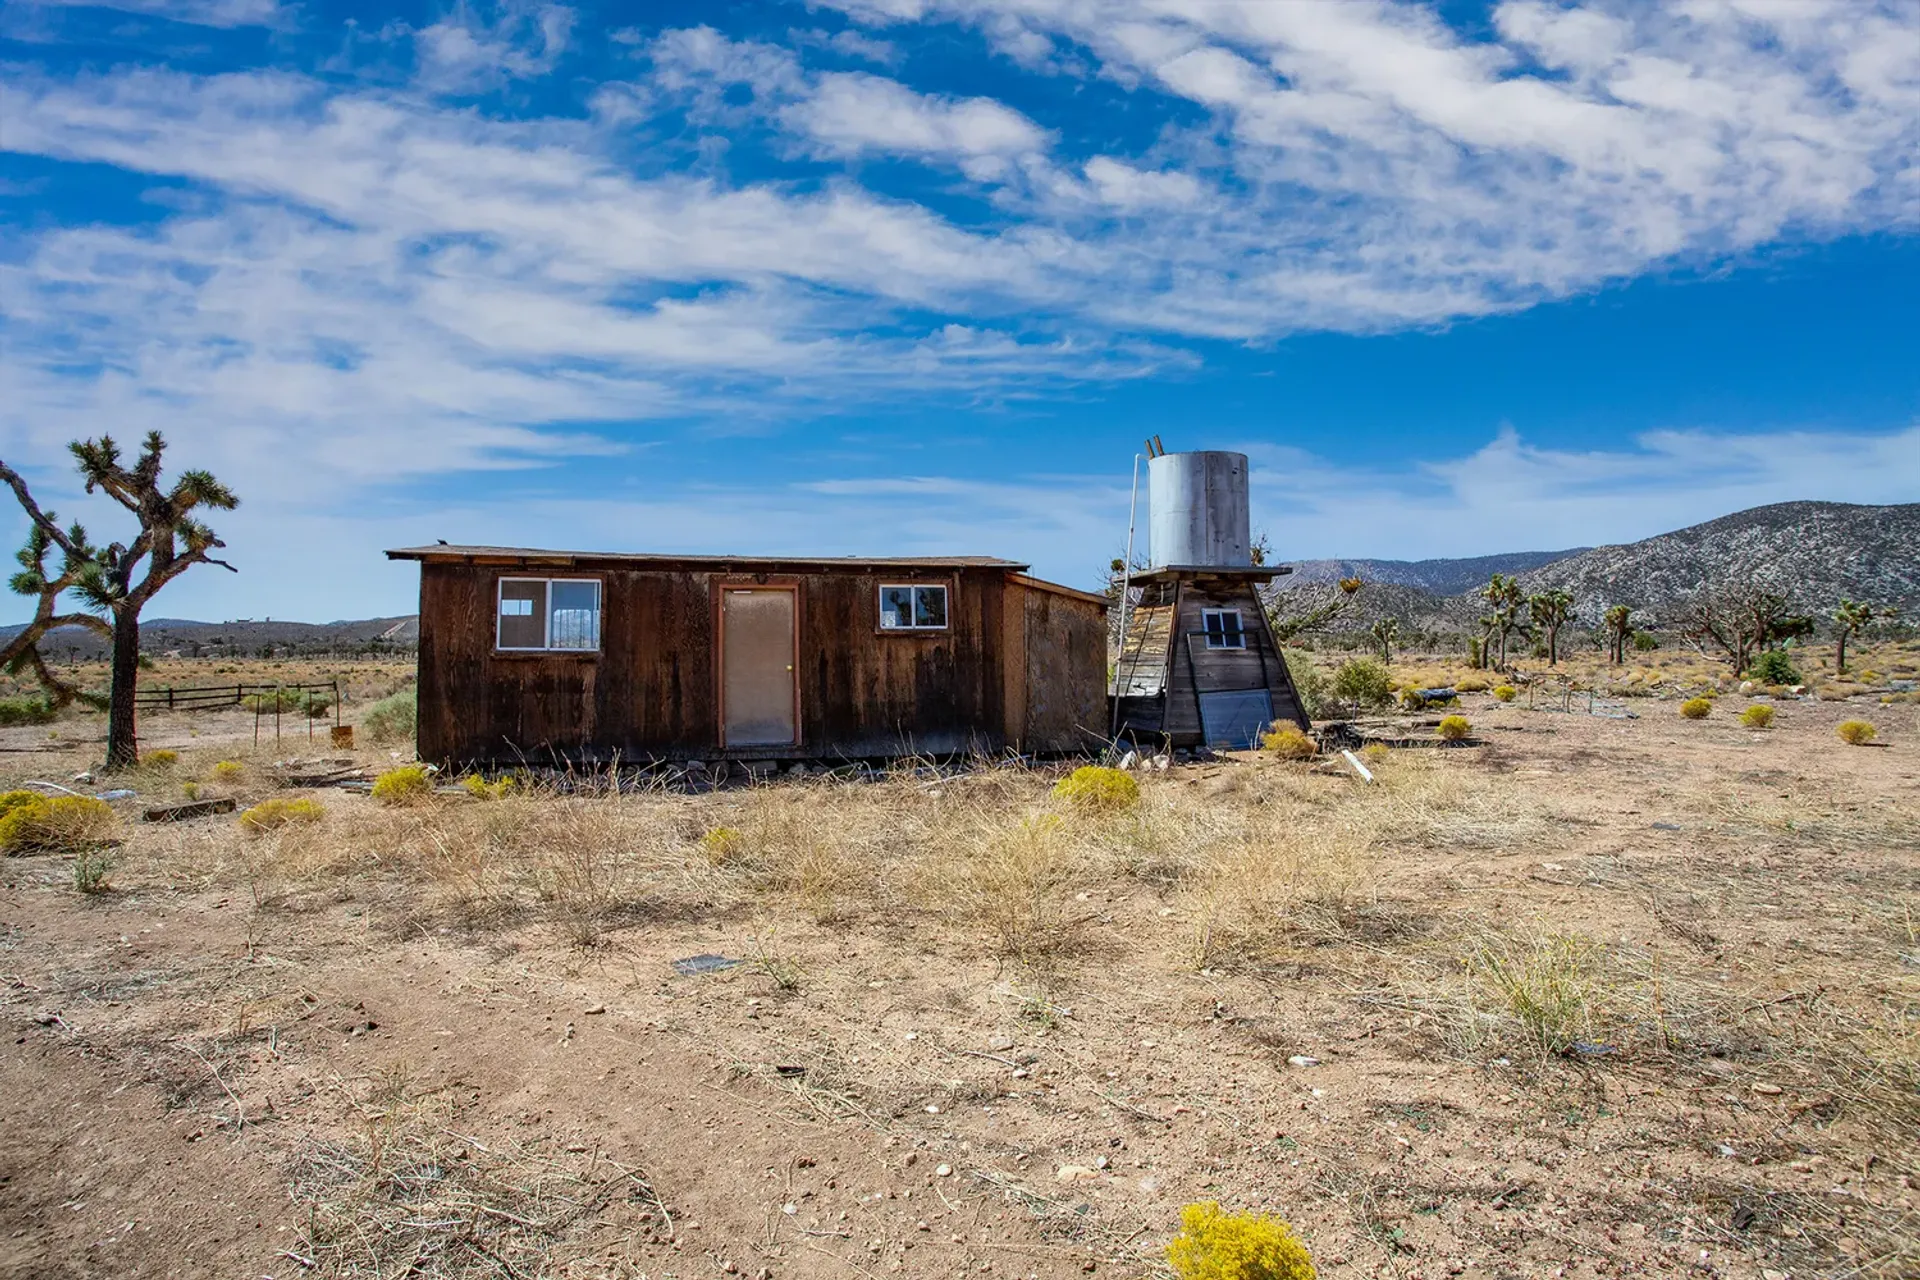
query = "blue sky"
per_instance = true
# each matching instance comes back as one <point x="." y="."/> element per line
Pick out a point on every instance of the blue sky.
<point x="871" y="276"/>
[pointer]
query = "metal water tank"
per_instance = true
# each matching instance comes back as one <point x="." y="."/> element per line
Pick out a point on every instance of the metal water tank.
<point x="1197" y="510"/>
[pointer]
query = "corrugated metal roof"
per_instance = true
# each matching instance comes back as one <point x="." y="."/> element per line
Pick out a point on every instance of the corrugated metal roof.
<point x="448" y="552"/>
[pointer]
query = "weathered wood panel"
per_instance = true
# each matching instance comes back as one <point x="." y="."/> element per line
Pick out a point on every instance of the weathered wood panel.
<point x="1065" y="647"/>
<point x="1193" y="668"/>
<point x="652" y="690"/>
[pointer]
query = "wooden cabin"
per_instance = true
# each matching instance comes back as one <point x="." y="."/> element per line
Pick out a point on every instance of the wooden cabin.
<point x="547" y="656"/>
<point x="1198" y="665"/>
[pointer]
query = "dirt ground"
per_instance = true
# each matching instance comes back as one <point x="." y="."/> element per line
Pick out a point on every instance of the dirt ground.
<point x="1599" y="997"/>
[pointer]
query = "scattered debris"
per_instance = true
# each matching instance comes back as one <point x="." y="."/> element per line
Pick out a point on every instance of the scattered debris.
<point x="694" y="966"/>
<point x="192" y="809"/>
<point x="1366" y="774"/>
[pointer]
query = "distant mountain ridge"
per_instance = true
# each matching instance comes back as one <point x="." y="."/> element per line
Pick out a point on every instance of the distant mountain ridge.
<point x="1816" y="552"/>
<point x="1442" y="577"/>
<point x="244" y="637"/>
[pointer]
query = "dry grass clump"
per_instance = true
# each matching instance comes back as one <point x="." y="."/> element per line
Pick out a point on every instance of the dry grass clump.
<point x="1216" y="1245"/>
<point x="1013" y="880"/>
<point x="1094" y="787"/>
<point x="409" y="784"/>
<point x="1505" y="693"/>
<point x="1288" y="743"/>
<point x="1757" y="716"/>
<point x="1856" y="733"/>
<point x="1475" y="684"/>
<point x="1696" y="708"/>
<point x="33" y="823"/>
<point x="399" y="1193"/>
<point x="280" y="811"/>
<point x="227" y="771"/>
<point x="1454" y="728"/>
<point x="160" y="758"/>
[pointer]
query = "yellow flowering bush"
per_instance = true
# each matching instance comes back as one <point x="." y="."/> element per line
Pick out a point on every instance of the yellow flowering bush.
<point x="1216" y="1245"/>
<point x="1095" y="787"/>
<point x="409" y="784"/>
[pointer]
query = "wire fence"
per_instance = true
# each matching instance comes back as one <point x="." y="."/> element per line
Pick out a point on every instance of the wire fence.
<point x="264" y="700"/>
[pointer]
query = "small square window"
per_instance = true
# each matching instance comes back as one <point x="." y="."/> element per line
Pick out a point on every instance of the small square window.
<point x="548" y="613"/>
<point x="1223" y="629"/>
<point x="913" y="608"/>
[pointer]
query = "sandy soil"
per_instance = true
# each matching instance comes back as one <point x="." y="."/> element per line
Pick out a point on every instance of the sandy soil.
<point x="236" y="1063"/>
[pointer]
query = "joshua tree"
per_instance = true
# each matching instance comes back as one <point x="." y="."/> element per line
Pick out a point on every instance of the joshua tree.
<point x="1619" y="631"/>
<point x="1550" y="611"/>
<point x="1286" y="627"/>
<point x="1504" y="595"/>
<point x="1385" y="633"/>
<point x="1740" y="620"/>
<point x="1850" y="617"/>
<point x="111" y="580"/>
<point x="34" y="579"/>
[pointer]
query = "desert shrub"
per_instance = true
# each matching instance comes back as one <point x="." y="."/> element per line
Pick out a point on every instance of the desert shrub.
<point x="33" y="823"/>
<point x="1645" y="642"/>
<point x="160" y="759"/>
<point x="1697" y="708"/>
<point x="281" y="811"/>
<point x="1550" y="985"/>
<point x="1287" y="742"/>
<point x="1757" y="716"/>
<point x="1095" y="787"/>
<point x="1472" y="684"/>
<point x="268" y="703"/>
<point x="228" y="771"/>
<point x="1856" y="733"/>
<point x="480" y="789"/>
<point x="1774" y="667"/>
<point x="1363" y="682"/>
<point x="1216" y="1245"/>
<point x="722" y="845"/>
<point x="409" y="784"/>
<point x="90" y="867"/>
<point x="1454" y="728"/>
<point x="26" y="710"/>
<point x="191" y="790"/>
<point x="393" y="718"/>
<point x="1012" y="879"/>
<point x="1506" y="693"/>
<point x="315" y="705"/>
<point x="1375" y="752"/>
<point x="1310" y="683"/>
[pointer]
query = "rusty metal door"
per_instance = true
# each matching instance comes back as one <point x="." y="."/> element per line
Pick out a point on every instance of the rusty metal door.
<point x="756" y="666"/>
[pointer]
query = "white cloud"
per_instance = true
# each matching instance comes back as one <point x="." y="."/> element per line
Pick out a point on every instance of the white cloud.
<point x="464" y="54"/>
<point x="1509" y="495"/>
<point x="1382" y="169"/>
<point x="203" y="13"/>
<point x="843" y="114"/>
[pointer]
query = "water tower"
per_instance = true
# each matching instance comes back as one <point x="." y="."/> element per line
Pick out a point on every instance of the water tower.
<point x="1198" y="665"/>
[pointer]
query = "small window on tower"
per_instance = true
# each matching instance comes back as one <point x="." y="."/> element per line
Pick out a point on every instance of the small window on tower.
<point x="1223" y="629"/>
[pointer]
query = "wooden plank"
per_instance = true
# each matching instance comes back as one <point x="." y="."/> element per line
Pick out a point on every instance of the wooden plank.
<point x="193" y="809"/>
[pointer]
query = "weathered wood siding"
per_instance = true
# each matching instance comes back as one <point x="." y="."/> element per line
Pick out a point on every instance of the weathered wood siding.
<point x="1065" y="648"/>
<point x="1192" y="667"/>
<point x="651" y="691"/>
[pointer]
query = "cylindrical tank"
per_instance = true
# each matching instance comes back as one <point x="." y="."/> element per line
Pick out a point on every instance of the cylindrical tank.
<point x="1197" y="510"/>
